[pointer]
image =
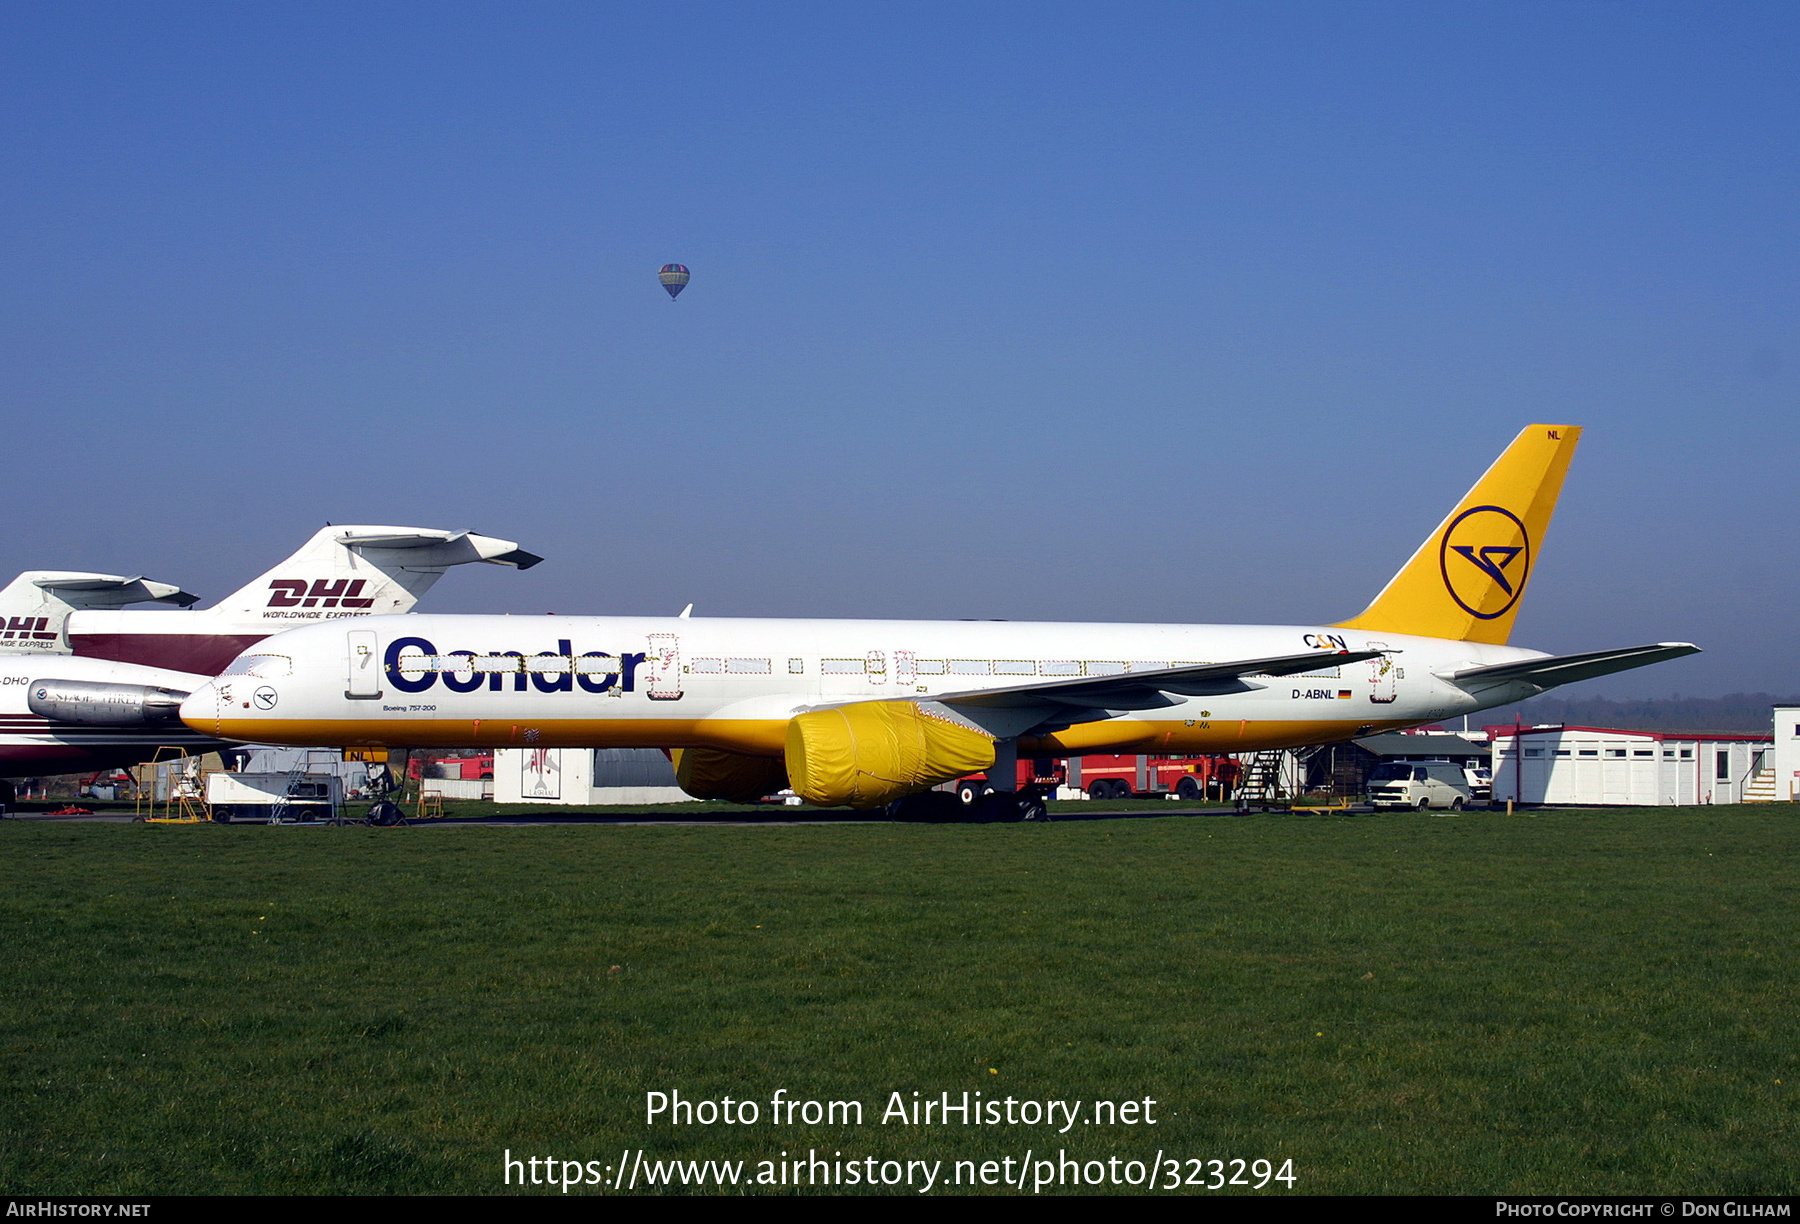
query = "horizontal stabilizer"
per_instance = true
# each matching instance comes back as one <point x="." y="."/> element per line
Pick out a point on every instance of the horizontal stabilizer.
<point x="437" y="549"/>
<point x="83" y="590"/>
<point x="1548" y="673"/>
<point x="1146" y="689"/>
<point x="35" y="607"/>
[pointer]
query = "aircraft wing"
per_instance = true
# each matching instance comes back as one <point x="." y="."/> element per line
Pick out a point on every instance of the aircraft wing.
<point x="1549" y="672"/>
<point x="1146" y="690"/>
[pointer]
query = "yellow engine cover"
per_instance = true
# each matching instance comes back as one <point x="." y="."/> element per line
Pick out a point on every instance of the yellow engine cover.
<point x="712" y="773"/>
<point x="873" y="752"/>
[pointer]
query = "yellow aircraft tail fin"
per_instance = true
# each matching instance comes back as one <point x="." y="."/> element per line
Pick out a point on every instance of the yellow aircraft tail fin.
<point x="1466" y="579"/>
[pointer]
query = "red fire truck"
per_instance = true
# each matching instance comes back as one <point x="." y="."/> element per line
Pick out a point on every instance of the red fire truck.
<point x="1185" y="777"/>
<point x="1111" y="776"/>
<point x="472" y="768"/>
<point x="1045" y="773"/>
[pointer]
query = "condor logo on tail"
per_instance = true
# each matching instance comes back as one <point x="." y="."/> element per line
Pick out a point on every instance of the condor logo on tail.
<point x="1485" y="558"/>
<point x="293" y="593"/>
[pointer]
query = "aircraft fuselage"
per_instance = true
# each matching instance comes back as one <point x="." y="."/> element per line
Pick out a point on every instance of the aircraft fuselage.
<point x="487" y="681"/>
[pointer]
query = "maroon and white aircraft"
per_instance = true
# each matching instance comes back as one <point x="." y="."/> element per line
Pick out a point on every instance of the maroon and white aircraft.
<point x="88" y="684"/>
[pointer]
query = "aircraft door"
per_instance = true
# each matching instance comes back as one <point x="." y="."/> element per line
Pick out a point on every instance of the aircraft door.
<point x="1382" y="680"/>
<point x="906" y="668"/>
<point x="365" y="665"/>
<point x="877" y="665"/>
<point x="664" y="662"/>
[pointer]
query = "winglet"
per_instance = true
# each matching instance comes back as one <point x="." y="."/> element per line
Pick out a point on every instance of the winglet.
<point x="1467" y="578"/>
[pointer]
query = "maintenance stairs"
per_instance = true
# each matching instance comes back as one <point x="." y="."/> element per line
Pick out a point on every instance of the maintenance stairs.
<point x="181" y="778"/>
<point x="1263" y="784"/>
<point x="309" y="793"/>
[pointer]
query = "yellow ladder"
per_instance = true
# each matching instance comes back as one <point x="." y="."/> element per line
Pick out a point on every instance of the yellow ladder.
<point x="181" y="805"/>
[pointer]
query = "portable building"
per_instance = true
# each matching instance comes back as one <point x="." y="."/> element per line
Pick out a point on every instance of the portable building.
<point x="1786" y="763"/>
<point x="585" y="777"/>
<point x="1602" y="765"/>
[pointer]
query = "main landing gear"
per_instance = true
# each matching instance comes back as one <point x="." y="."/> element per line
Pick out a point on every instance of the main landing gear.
<point x="990" y="807"/>
<point x="998" y="806"/>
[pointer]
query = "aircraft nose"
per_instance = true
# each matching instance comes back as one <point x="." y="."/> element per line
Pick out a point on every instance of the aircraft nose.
<point x="201" y="709"/>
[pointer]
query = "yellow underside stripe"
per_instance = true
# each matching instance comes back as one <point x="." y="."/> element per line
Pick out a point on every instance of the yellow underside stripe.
<point x="766" y="737"/>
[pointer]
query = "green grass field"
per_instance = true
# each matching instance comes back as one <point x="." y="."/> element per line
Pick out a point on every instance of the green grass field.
<point x="1561" y="1002"/>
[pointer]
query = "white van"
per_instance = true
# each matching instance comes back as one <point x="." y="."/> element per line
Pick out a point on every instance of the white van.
<point x="1419" y="784"/>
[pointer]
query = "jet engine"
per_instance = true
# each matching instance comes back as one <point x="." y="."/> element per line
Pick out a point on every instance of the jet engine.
<point x="712" y="773"/>
<point x="873" y="752"/>
<point x="95" y="703"/>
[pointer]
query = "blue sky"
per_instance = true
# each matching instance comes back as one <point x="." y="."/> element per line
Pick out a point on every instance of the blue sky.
<point x="1174" y="312"/>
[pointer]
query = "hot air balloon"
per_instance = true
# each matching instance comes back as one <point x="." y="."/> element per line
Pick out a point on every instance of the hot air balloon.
<point x="674" y="278"/>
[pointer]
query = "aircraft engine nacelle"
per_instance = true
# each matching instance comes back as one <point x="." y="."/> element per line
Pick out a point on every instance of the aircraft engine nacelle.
<point x="712" y="773"/>
<point x="873" y="752"/>
<point x="94" y="703"/>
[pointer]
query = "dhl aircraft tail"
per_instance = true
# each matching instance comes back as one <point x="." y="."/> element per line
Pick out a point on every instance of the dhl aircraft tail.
<point x="35" y="606"/>
<point x="1467" y="578"/>
<point x="367" y="569"/>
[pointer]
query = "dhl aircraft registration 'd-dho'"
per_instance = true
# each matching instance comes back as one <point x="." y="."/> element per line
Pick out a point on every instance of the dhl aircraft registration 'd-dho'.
<point x="869" y="713"/>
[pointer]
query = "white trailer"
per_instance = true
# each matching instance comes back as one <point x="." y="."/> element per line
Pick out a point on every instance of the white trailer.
<point x="275" y="797"/>
<point x="1604" y="766"/>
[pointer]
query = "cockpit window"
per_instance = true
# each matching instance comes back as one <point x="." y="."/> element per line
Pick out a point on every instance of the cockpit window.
<point x="267" y="666"/>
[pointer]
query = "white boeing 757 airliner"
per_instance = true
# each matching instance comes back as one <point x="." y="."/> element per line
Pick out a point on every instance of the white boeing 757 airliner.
<point x="872" y="712"/>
